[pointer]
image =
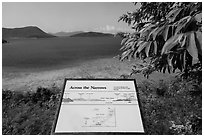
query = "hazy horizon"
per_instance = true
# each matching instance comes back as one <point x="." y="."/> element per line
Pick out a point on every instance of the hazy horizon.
<point x="53" y="17"/>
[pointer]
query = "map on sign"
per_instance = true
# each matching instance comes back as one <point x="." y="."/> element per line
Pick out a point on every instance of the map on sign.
<point x="99" y="106"/>
<point x="98" y="117"/>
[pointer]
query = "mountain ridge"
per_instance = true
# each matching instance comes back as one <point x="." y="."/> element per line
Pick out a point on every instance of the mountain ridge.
<point x="25" y="32"/>
<point x="93" y="34"/>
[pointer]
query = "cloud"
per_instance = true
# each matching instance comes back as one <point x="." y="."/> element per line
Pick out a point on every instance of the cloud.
<point x="112" y="29"/>
<point x="107" y="28"/>
<point x="124" y="30"/>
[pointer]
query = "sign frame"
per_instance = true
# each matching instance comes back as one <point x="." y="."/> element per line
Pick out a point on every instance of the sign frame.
<point x="96" y="133"/>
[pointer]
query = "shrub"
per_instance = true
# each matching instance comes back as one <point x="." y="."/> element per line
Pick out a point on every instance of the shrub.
<point x="175" y="111"/>
<point x="29" y="113"/>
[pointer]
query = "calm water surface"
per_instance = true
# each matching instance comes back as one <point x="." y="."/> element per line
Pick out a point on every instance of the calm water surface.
<point x="25" y="54"/>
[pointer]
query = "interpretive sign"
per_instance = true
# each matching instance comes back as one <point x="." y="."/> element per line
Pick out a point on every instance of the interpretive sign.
<point x="99" y="106"/>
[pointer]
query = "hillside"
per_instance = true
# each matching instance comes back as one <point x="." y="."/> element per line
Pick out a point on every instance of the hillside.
<point x="66" y="34"/>
<point x="25" y="32"/>
<point x="92" y="34"/>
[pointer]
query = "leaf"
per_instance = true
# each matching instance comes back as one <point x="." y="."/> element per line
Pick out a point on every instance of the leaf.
<point x="122" y="47"/>
<point x="129" y="40"/>
<point x="172" y="30"/>
<point x="151" y="33"/>
<point x="134" y="45"/>
<point x="183" y="23"/>
<point x="178" y="63"/>
<point x="183" y="42"/>
<point x="171" y="13"/>
<point x="173" y="16"/>
<point x="184" y="60"/>
<point x="198" y="17"/>
<point x="174" y="70"/>
<point x="166" y="32"/>
<point x="142" y="46"/>
<point x="156" y="32"/>
<point x="192" y="49"/>
<point x="181" y="59"/>
<point x="198" y="39"/>
<point x="155" y="47"/>
<point x="170" y="43"/>
<point x="124" y="40"/>
<point x="141" y="30"/>
<point x="130" y="55"/>
<point x="125" y="54"/>
<point x="169" y="69"/>
<point x="145" y="32"/>
<point x="170" y="61"/>
<point x="135" y="35"/>
<point x="148" y="48"/>
<point x="135" y="54"/>
<point x="129" y="45"/>
<point x="139" y="25"/>
<point x="164" y="69"/>
<point x="174" y="61"/>
<point x="139" y="43"/>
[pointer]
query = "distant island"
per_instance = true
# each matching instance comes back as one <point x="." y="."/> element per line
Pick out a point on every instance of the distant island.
<point x="4" y="41"/>
<point x="66" y="34"/>
<point x="93" y="34"/>
<point x="24" y="32"/>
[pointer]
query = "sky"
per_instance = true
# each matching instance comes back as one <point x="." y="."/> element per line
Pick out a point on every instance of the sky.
<point x="55" y="17"/>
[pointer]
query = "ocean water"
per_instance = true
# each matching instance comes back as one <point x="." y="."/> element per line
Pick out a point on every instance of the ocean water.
<point x="40" y="54"/>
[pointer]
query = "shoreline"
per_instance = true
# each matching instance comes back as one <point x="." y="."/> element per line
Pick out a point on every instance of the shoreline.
<point x="96" y="68"/>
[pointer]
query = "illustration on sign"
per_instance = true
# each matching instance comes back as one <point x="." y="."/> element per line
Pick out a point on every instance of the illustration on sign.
<point x="99" y="97"/>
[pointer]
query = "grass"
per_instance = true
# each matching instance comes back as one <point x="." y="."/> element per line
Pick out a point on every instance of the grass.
<point x="29" y="113"/>
<point x="171" y="108"/>
<point x="168" y="108"/>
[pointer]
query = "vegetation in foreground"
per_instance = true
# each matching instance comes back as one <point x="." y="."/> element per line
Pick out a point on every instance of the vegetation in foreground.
<point x="29" y="113"/>
<point x="168" y="108"/>
<point x="172" y="108"/>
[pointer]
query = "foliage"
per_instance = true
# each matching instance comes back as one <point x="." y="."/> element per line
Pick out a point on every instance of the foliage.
<point x="168" y="108"/>
<point x="29" y="113"/>
<point x="168" y="37"/>
<point x="170" y="33"/>
<point x="171" y="108"/>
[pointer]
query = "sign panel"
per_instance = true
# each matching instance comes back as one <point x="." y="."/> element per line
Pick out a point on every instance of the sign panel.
<point x="99" y="106"/>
